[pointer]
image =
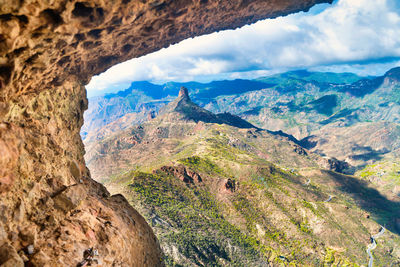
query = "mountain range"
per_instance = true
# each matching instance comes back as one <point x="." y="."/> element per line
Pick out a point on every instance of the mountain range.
<point x="220" y="191"/>
<point x="310" y="106"/>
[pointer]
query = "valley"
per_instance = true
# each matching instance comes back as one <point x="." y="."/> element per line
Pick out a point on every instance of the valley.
<point x="218" y="190"/>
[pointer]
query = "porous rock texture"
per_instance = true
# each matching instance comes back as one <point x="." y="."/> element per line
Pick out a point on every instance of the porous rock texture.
<point x="51" y="211"/>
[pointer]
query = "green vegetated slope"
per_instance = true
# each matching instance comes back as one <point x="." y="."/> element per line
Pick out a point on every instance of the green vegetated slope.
<point x="354" y="120"/>
<point x="223" y="193"/>
<point x="384" y="174"/>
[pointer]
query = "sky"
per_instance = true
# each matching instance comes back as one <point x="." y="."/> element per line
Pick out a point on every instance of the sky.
<point x="360" y="36"/>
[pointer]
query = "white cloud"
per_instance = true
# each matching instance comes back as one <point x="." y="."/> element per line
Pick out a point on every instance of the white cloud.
<point x="350" y="33"/>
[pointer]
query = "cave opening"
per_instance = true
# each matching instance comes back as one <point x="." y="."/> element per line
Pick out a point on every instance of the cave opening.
<point x="54" y="214"/>
<point x="221" y="94"/>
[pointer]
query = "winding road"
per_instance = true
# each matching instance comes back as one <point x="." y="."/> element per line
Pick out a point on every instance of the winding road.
<point x="329" y="199"/>
<point x="372" y="246"/>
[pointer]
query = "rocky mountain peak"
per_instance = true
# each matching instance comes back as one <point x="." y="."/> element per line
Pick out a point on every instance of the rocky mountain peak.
<point x="184" y="108"/>
<point x="393" y="74"/>
<point x="183" y="93"/>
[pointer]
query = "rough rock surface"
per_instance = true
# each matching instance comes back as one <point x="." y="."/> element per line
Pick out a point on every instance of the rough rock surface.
<point x="182" y="173"/>
<point x="51" y="211"/>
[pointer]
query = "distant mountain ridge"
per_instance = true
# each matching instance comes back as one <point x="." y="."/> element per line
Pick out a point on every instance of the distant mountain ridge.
<point x="299" y="104"/>
<point x="146" y="97"/>
<point x="102" y="109"/>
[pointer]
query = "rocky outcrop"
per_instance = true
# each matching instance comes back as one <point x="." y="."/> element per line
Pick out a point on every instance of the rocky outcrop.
<point x="182" y="173"/>
<point x="299" y="150"/>
<point x="230" y="185"/>
<point x="51" y="211"/>
<point x="334" y="164"/>
<point x="392" y="76"/>
<point x="183" y="93"/>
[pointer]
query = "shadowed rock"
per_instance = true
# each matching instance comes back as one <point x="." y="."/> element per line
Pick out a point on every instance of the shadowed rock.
<point x="183" y="93"/>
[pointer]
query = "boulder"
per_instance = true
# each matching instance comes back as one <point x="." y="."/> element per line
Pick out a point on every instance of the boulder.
<point x="69" y="198"/>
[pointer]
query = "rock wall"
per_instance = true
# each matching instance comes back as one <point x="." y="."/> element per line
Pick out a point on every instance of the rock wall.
<point x="51" y="212"/>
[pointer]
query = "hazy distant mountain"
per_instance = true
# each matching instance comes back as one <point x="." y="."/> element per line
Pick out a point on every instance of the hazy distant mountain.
<point x="306" y="105"/>
<point x="147" y="97"/>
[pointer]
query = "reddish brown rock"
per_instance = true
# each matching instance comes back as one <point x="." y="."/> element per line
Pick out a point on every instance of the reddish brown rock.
<point x="195" y="176"/>
<point x="9" y="154"/>
<point x="69" y="198"/>
<point x="182" y="173"/>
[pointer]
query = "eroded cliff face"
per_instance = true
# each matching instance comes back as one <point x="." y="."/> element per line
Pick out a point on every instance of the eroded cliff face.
<point x="51" y="211"/>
